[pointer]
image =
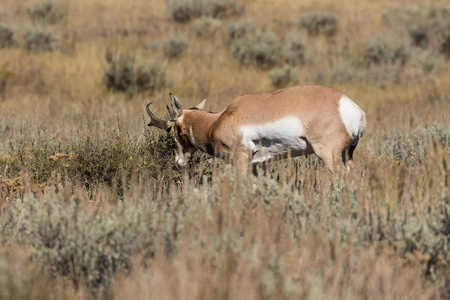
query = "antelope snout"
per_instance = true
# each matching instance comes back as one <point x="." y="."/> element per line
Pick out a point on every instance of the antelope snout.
<point x="183" y="159"/>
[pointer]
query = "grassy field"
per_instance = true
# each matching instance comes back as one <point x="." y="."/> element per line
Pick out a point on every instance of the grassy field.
<point x="93" y="205"/>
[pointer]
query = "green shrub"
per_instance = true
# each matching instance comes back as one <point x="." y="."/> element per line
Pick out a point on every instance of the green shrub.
<point x="111" y="159"/>
<point x="45" y="11"/>
<point x="439" y="12"/>
<point x="434" y="35"/>
<point x="381" y="74"/>
<point x="257" y="51"/>
<point x="154" y="46"/>
<point x="150" y="77"/>
<point x="378" y="52"/>
<point x="221" y="8"/>
<point x="445" y="43"/>
<point x="319" y="23"/>
<point x="175" y="47"/>
<point x="420" y="35"/>
<point x="119" y="75"/>
<point x="86" y="249"/>
<point x="292" y="52"/>
<point x="206" y="27"/>
<point x="22" y="279"/>
<point x="38" y="40"/>
<point x="264" y="50"/>
<point x="427" y="59"/>
<point x="401" y="54"/>
<point x="284" y="76"/>
<point x="102" y="160"/>
<point x="92" y="160"/>
<point x="401" y="16"/>
<point x="346" y="71"/>
<point x="6" y="36"/>
<point x="428" y="26"/>
<point x="237" y="30"/>
<point x="122" y="75"/>
<point x="414" y="147"/>
<point x="41" y="10"/>
<point x="185" y="10"/>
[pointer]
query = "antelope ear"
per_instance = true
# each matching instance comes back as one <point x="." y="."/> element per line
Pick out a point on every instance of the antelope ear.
<point x="176" y="106"/>
<point x="202" y="104"/>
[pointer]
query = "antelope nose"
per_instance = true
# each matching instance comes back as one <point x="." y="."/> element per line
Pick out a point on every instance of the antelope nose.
<point x="182" y="162"/>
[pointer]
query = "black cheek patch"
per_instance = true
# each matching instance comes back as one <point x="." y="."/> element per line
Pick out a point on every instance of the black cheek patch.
<point x="185" y="141"/>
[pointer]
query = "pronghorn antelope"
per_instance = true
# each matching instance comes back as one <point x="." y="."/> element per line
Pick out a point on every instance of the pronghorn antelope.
<point x="259" y="127"/>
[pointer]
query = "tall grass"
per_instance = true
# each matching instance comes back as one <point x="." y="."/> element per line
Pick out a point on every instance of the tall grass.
<point x="93" y="205"/>
<point x="254" y="235"/>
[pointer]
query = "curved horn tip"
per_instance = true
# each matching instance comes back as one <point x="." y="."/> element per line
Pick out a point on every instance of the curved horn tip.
<point x="147" y="108"/>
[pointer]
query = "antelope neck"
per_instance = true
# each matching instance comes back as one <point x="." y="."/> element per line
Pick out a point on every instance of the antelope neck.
<point x="200" y="123"/>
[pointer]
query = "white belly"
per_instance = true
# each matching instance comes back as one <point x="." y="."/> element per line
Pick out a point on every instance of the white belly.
<point x="275" y="140"/>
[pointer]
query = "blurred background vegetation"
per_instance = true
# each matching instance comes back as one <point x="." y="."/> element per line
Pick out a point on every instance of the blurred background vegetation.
<point x="93" y="206"/>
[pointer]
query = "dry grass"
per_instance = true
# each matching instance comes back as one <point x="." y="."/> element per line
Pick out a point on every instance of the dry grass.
<point x="90" y="201"/>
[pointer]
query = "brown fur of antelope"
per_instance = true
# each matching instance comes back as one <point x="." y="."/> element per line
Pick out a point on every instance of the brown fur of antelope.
<point x="260" y="127"/>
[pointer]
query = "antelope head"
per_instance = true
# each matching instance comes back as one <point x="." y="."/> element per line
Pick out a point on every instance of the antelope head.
<point x="175" y="126"/>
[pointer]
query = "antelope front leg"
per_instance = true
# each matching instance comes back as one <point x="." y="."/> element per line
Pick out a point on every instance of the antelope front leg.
<point x="241" y="162"/>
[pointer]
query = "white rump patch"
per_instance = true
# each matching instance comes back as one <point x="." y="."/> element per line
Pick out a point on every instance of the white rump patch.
<point x="352" y="117"/>
<point x="275" y="140"/>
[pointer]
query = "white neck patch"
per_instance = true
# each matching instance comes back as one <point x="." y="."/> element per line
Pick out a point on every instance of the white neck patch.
<point x="192" y="136"/>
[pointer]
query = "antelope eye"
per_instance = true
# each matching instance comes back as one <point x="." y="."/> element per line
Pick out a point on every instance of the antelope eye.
<point x="179" y="133"/>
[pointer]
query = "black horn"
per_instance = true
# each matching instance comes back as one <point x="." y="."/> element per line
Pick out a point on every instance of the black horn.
<point x="155" y="121"/>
